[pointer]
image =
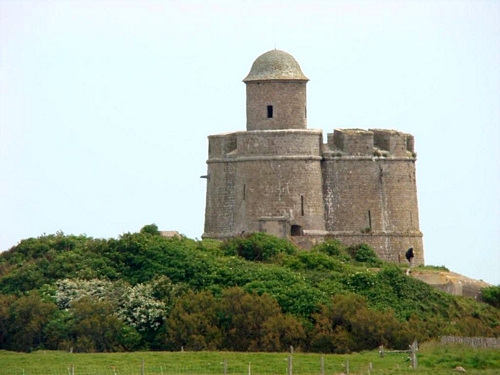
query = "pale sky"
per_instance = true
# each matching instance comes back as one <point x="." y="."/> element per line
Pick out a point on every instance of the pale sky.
<point x="105" y="107"/>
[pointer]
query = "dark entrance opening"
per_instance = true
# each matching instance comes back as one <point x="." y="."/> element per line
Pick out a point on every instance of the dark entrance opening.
<point x="296" y="230"/>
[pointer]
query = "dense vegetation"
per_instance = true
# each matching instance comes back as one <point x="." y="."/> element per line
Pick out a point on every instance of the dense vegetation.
<point x="253" y="293"/>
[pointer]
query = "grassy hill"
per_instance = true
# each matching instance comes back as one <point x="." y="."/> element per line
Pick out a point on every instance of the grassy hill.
<point x="253" y="293"/>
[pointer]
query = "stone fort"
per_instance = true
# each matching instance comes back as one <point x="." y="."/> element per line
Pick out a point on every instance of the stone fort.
<point x="279" y="177"/>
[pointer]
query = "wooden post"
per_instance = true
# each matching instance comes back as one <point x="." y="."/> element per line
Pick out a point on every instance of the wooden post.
<point x="225" y="366"/>
<point x="72" y="369"/>
<point x="290" y="364"/>
<point x="249" y="368"/>
<point x="322" y="365"/>
<point x="370" y="368"/>
<point x="413" y="354"/>
<point x="381" y="350"/>
<point x="142" y="367"/>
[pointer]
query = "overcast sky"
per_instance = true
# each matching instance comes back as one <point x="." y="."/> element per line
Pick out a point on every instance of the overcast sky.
<point x="105" y="107"/>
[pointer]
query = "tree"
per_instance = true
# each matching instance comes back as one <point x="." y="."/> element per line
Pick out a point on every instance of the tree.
<point x="5" y="302"/>
<point x="28" y="317"/>
<point x="347" y="324"/>
<point x="98" y="329"/>
<point x="279" y="332"/>
<point x="193" y="323"/>
<point x="243" y="318"/>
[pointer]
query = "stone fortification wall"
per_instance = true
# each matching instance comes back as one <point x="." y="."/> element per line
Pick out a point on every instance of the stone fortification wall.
<point x="260" y="177"/>
<point x="370" y="191"/>
<point x="300" y="143"/>
<point x="220" y="200"/>
<point x="475" y="342"/>
<point x="288" y="99"/>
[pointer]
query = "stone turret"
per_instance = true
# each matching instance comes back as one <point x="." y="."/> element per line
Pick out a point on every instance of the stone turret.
<point x="276" y="93"/>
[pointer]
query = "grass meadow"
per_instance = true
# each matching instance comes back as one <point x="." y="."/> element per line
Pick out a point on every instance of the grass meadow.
<point x="435" y="359"/>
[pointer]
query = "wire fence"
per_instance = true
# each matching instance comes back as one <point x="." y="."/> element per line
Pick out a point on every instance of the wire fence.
<point x="224" y="368"/>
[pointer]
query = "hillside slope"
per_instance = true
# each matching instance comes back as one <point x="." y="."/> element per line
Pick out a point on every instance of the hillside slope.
<point x="251" y="293"/>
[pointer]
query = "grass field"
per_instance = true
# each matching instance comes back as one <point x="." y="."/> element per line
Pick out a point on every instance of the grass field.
<point x="433" y="359"/>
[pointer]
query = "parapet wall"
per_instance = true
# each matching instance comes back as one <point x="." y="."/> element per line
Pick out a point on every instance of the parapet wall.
<point x="377" y="142"/>
<point x="264" y="143"/>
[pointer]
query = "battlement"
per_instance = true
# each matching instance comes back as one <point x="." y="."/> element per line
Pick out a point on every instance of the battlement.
<point x="372" y="142"/>
<point x="288" y="142"/>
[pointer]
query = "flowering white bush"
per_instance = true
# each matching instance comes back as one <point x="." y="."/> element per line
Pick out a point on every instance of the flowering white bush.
<point x="135" y="305"/>
<point x="140" y="309"/>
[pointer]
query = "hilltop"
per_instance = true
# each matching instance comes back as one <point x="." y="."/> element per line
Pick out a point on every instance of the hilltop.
<point x="251" y="293"/>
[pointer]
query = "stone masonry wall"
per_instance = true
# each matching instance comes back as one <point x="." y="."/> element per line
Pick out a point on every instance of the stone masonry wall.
<point x="220" y="200"/>
<point x="372" y="199"/>
<point x="288" y="99"/>
<point x="275" y="174"/>
<point x="359" y="187"/>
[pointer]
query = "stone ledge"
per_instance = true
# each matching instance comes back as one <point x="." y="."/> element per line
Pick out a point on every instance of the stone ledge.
<point x="264" y="158"/>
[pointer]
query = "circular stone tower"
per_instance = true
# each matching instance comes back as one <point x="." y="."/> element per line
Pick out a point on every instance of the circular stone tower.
<point x="276" y="93"/>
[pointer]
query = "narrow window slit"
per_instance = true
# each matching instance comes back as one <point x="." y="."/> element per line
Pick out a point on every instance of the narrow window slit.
<point x="269" y="111"/>
<point x="302" y="205"/>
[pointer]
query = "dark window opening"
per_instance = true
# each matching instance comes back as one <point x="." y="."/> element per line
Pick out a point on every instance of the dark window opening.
<point x="369" y="219"/>
<point x="244" y="191"/>
<point x="296" y="230"/>
<point x="269" y="111"/>
<point x="302" y="205"/>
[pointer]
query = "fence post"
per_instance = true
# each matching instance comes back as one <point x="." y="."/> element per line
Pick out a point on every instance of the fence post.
<point x="381" y="350"/>
<point x="142" y="367"/>
<point x="370" y="368"/>
<point x="322" y="365"/>
<point x="290" y="365"/>
<point x="249" y="368"/>
<point x="413" y="354"/>
<point x="72" y="369"/>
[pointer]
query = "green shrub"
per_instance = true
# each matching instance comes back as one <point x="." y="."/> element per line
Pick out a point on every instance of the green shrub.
<point x="313" y="260"/>
<point x="364" y="254"/>
<point x="150" y="229"/>
<point x="257" y="247"/>
<point x="491" y="295"/>
<point x="333" y="248"/>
